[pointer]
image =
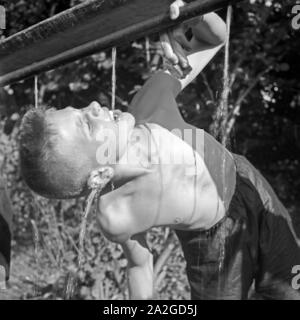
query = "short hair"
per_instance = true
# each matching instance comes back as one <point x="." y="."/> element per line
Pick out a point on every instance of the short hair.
<point x="43" y="168"/>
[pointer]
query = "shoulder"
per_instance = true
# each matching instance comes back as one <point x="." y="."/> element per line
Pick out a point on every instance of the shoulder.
<point x="113" y="216"/>
<point x="164" y="80"/>
<point x="156" y="97"/>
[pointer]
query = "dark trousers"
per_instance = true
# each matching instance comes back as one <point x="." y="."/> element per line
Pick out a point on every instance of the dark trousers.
<point x="255" y="243"/>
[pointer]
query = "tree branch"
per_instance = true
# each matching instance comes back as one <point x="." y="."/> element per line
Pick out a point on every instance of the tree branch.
<point x="236" y="110"/>
<point x="208" y="87"/>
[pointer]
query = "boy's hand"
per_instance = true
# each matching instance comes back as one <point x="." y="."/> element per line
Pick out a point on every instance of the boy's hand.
<point x="175" y="44"/>
<point x="207" y="31"/>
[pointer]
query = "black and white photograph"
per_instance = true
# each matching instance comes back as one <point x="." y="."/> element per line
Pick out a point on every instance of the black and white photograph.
<point x="150" y="150"/>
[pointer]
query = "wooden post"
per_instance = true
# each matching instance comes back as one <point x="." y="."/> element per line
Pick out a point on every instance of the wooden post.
<point x="87" y="28"/>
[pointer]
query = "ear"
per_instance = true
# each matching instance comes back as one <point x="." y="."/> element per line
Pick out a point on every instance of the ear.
<point x="99" y="178"/>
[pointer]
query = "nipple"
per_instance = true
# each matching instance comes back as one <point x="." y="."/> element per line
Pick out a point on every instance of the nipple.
<point x="177" y="220"/>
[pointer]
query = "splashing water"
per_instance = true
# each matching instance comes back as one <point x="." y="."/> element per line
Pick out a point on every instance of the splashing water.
<point x="71" y="282"/>
<point x="113" y="78"/>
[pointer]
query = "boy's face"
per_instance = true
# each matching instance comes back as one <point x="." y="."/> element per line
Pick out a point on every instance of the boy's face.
<point x="91" y="132"/>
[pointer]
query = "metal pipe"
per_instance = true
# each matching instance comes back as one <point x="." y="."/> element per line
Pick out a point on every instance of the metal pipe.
<point x="87" y="28"/>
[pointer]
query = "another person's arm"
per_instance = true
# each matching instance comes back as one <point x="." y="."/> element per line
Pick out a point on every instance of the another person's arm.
<point x="139" y="268"/>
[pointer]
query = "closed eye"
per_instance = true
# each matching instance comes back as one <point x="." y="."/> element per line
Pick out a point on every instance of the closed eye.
<point x="85" y="124"/>
<point x="88" y="125"/>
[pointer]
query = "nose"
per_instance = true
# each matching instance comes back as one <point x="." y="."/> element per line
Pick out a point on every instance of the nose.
<point x="94" y="109"/>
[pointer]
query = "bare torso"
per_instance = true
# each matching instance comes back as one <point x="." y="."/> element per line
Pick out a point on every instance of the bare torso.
<point x="181" y="195"/>
<point x="184" y="196"/>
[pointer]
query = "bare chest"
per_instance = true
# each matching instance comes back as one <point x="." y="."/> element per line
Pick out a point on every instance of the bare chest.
<point x="169" y="199"/>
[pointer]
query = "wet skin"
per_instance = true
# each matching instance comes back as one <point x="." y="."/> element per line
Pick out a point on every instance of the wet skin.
<point x="82" y="130"/>
<point x="147" y="194"/>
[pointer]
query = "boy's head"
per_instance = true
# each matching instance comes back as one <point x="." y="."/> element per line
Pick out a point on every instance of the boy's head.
<point x="59" y="148"/>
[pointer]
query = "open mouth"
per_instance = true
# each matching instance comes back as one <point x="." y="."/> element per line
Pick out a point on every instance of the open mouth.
<point x="115" y="115"/>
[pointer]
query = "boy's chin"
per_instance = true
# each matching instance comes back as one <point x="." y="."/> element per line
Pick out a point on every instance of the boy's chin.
<point x="128" y="118"/>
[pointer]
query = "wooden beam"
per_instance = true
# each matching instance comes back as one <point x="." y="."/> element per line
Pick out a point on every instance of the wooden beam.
<point x="87" y="28"/>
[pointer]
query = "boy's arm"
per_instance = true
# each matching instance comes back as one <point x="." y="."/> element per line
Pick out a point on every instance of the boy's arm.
<point x="139" y="268"/>
<point x="209" y="33"/>
<point x="208" y="36"/>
